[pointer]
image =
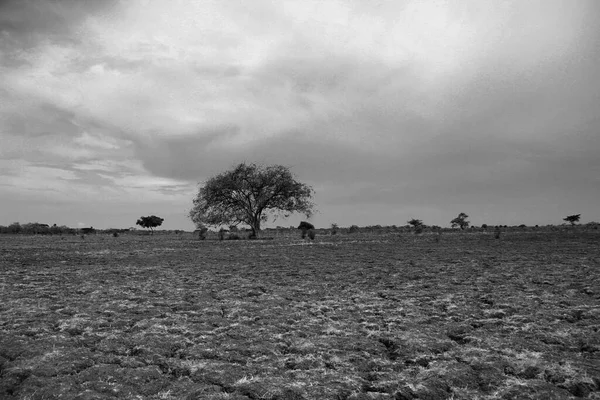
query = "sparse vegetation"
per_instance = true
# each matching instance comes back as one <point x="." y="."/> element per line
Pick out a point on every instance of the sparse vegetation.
<point x="168" y="317"/>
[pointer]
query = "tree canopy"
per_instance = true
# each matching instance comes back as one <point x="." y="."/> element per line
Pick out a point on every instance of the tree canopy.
<point x="250" y="194"/>
<point x="150" y="222"/>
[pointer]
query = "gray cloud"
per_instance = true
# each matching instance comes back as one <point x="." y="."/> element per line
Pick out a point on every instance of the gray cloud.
<point x="31" y="20"/>
<point x="398" y="107"/>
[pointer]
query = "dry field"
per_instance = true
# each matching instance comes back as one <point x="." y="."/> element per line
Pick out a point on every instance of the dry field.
<point x="360" y="316"/>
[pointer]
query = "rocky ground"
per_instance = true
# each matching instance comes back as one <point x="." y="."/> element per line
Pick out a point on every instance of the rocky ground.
<point x="360" y="316"/>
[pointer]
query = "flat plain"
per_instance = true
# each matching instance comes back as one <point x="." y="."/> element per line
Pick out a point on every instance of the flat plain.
<point x="350" y="316"/>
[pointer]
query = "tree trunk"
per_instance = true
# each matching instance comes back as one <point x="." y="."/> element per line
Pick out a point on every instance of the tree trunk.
<point x="255" y="226"/>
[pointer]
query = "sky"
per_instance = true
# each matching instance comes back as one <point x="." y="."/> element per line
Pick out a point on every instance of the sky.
<point x="390" y="110"/>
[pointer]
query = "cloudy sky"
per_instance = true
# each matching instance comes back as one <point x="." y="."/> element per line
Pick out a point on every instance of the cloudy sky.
<point x="391" y="110"/>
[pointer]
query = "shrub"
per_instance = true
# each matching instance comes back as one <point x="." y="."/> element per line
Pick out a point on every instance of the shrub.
<point x="334" y="228"/>
<point x="305" y="227"/>
<point x="201" y="232"/>
<point x="115" y="234"/>
<point x="311" y="234"/>
<point x="233" y="236"/>
<point x="353" y="229"/>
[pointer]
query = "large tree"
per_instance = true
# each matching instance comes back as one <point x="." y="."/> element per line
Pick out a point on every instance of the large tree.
<point x="250" y="194"/>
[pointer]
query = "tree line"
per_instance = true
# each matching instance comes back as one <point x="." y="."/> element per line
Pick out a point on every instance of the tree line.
<point x="248" y="194"/>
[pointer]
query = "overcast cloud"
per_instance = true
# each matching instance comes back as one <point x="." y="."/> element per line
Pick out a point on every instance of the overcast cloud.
<point x="391" y="110"/>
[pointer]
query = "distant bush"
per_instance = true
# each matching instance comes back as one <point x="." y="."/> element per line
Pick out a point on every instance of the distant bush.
<point x="417" y="224"/>
<point x="15" y="227"/>
<point x="233" y="236"/>
<point x="497" y="232"/>
<point x="334" y="229"/>
<point x="353" y="229"/>
<point x="311" y="234"/>
<point x="115" y="234"/>
<point x="87" y="231"/>
<point x="572" y="219"/>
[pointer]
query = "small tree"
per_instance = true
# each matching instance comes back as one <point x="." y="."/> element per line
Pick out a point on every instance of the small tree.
<point x="334" y="228"/>
<point x="572" y="219"/>
<point x="417" y="224"/>
<point x="249" y="194"/>
<point x="150" y="222"/>
<point x="460" y="221"/>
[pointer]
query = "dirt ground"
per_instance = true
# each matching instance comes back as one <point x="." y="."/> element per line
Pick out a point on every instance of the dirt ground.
<point x="352" y="316"/>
